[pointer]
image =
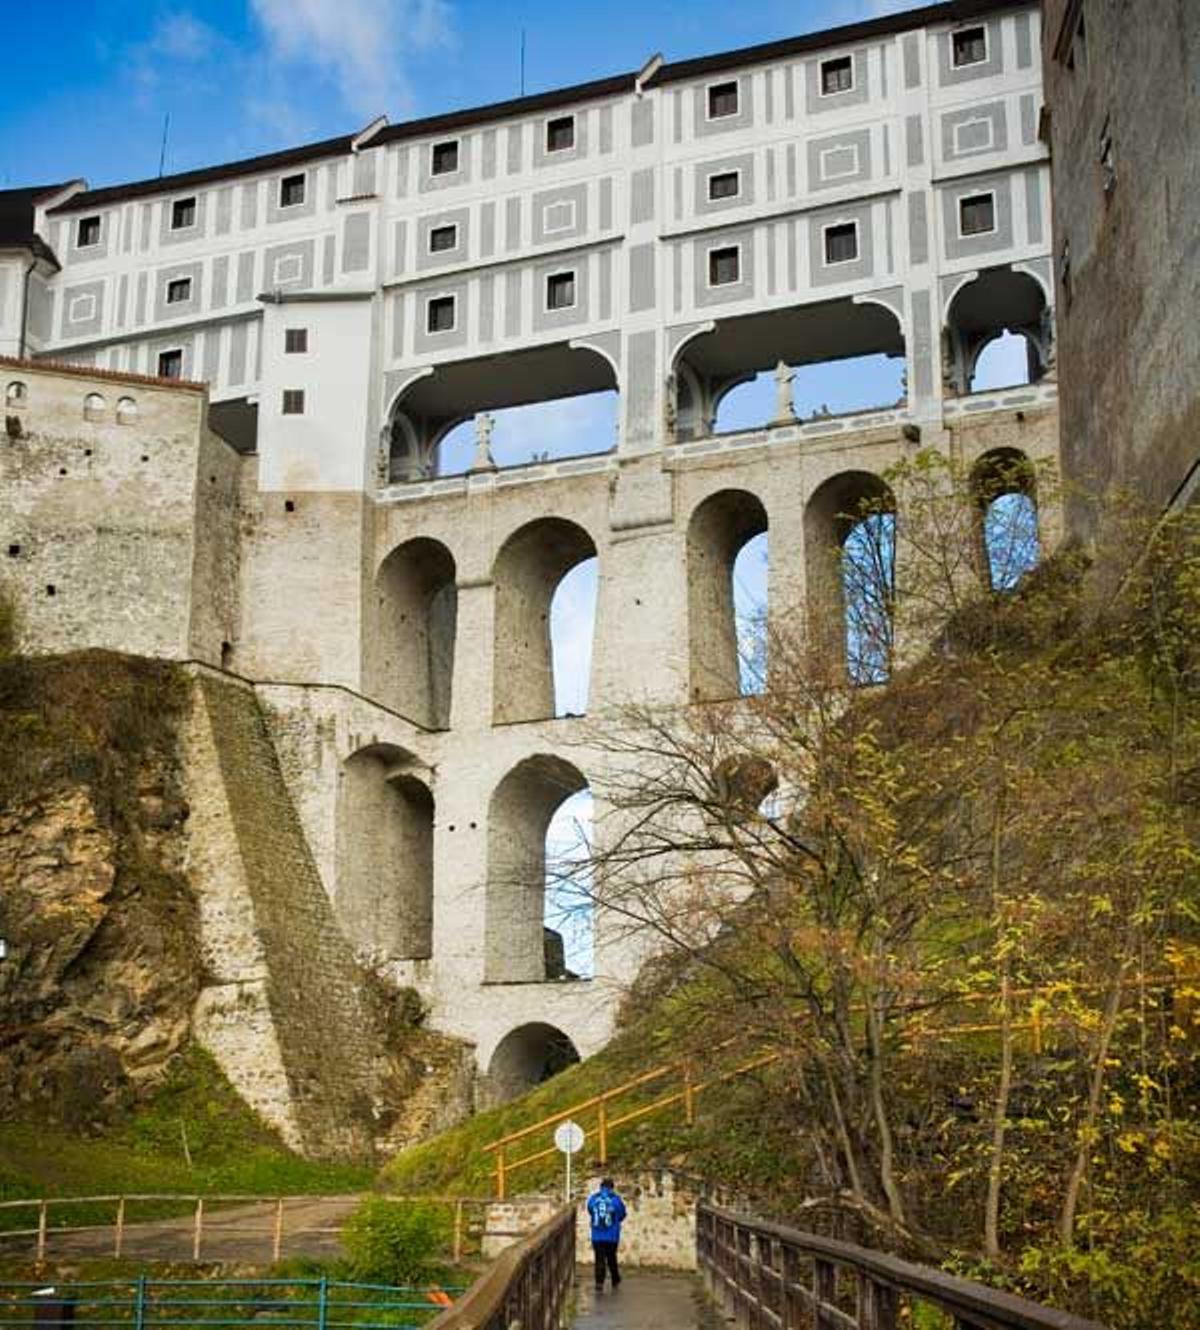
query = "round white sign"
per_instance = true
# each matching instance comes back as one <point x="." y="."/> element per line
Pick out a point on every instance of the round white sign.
<point x="568" y="1136"/>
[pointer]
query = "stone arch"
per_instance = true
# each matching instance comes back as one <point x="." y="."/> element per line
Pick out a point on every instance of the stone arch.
<point x="527" y="1056"/>
<point x="384" y="855"/>
<point x="719" y="528"/>
<point x="526" y="573"/>
<point x="1004" y="483"/>
<point x="993" y="302"/>
<point x="127" y="410"/>
<point x="409" y="661"/>
<point x="851" y="592"/>
<point x="519" y="815"/>
<point x="93" y="406"/>
<point x="16" y="393"/>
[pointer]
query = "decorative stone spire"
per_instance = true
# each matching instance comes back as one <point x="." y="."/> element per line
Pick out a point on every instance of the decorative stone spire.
<point x="785" y="412"/>
<point x="483" y="459"/>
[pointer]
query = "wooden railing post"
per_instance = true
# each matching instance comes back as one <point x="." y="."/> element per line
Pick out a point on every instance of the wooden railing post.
<point x="602" y="1131"/>
<point x="277" y="1236"/>
<point x="41" y="1234"/>
<point x="119" y="1235"/>
<point x="877" y="1305"/>
<point x="500" y="1174"/>
<point x="198" y="1228"/>
<point x="458" y="1230"/>
<point x="824" y="1293"/>
<point x="689" y="1095"/>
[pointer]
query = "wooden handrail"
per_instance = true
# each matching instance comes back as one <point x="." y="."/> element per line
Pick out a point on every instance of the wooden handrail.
<point x="753" y="1264"/>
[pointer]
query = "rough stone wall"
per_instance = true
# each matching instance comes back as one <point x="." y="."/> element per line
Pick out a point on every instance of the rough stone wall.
<point x="1129" y="357"/>
<point x="98" y="517"/>
<point x="313" y="988"/>
<point x="216" y="564"/>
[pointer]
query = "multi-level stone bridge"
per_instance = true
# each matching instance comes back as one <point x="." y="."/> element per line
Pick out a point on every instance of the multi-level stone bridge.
<point x="871" y="191"/>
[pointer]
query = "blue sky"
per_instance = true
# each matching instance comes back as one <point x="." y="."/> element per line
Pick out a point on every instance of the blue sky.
<point x="94" y="78"/>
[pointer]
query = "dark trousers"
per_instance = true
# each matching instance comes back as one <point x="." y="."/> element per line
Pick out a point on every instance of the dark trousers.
<point x="606" y="1259"/>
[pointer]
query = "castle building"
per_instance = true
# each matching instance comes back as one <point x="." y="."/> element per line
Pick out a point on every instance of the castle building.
<point x="668" y="233"/>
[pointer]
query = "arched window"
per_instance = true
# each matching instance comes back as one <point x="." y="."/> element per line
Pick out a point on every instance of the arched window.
<point x="727" y="596"/>
<point x="93" y="406"/>
<point x="531" y="565"/>
<point x="997" y="334"/>
<point x="1005" y="490"/>
<point x="850" y="543"/>
<point x="126" y="410"/>
<point x="16" y="393"/>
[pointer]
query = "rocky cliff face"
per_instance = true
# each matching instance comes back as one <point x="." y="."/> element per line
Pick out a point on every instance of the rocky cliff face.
<point x="101" y="971"/>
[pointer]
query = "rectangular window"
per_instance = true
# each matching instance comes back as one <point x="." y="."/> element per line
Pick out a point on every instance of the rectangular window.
<point x="439" y="314"/>
<point x="724" y="266"/>
<point x="183" y="214"/>
<point x="560" y="290"/>
<point x="722" y="100"/>
<point x="442" y="238"/>
<point x="724" y="185"/>
<point x="444" y="159"/>
<point x="841" y="243"/>
<point x="170" y="364"/>
<point x="560" y="133"/>
<point x="976" y="214"/>
<point x="291" y="190"/>
<point x="88" y="232"/>
<point x="179" y="290"/>
<point x="837" y="75"/>
<point x="293" y="401"/>
<point x="969" y="46"/>
<point x="295" y="341"/>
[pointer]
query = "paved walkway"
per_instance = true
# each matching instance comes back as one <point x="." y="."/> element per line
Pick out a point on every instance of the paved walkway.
<point x="646" y="1301"/>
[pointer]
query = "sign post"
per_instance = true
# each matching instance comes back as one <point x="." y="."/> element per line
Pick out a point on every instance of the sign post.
<point x="569" y="1138"/>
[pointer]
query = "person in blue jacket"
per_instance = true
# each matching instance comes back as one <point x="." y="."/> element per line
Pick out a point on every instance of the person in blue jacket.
<point x="606" y="1211"/>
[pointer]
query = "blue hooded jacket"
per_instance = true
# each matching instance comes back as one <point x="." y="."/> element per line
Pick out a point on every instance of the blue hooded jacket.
<point x="606" y="1210"/>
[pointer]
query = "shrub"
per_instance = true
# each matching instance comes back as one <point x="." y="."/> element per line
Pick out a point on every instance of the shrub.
<point x="394" y="1242"/>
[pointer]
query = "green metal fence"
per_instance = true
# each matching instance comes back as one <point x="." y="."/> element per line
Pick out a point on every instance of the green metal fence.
<point x="277" y="1304"/>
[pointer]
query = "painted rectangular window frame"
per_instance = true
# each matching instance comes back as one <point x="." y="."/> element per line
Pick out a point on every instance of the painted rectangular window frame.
<point x="558" y="120"/>
<point x="826" y="261"/>
<point x="829" y="60"/>
<point x="170" y="351"/>
<point x="177" y="203"/>
<point x="708" y="265"/>
<point x="276" y="279"/>
<point x="965" y="198"/>
<point x="960" y="32"/>
<point x="285" y="180"/>
<point x="176" y="284"/>
<point x="80" y="243"/>
<point x="445" y="249"/>
<point x="433" y="151"/>
<point x="549" y="230"/>
<point x="288" y="335"/>
<point x="429" y="303"/>
<point x="573" y="274"/>
<point x="73" y="314"/>
<point x="736" y="172"/>
<point x="710" y="88"/>
<point x="833" y="176"/>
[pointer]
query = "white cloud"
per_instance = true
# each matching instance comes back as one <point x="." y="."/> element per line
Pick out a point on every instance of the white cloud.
<point x="363" y="46"/>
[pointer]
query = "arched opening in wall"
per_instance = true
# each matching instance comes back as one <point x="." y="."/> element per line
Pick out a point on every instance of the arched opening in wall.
<point x="850" y="544"/>
<point x="528" y="571"/>
<point x="572" y="628"/>
<point x="408" y="662"/>
<point x="526" y="1057"/>
<point x="806" y="362"/>
<point x="1004" y="483"/>
<point x="998" y="333"/>
<point x="384" y="855"/>
<point x="539" y="404"/>
<point x="727" y="596"/>
<point x="519" y="948"/>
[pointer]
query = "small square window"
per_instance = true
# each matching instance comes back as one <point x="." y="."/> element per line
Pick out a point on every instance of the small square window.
<point x="291" y="190"/>
<point x="445" y="158"/>
<point x="977" y="214"/>
<point x="969" y="46"/>
<point x="88" y="232"/>
<point x="293" y="401"/>
<point x="560" y="290"/>
<point x="442" y="238"/>
<point x="724" y="266"/>
<point x="439" y="315"/>
<point x="295" y="341"/>
<point x="722" y="100"/>
<point x="837" y="75"/>
<point x="724" y="185"/>
<point x="179" y="290"/>
<point x="183" y="214"/>
<point x="560" y="133"/>
<point x="841" y="243"/>
<point x="170" y="365"/>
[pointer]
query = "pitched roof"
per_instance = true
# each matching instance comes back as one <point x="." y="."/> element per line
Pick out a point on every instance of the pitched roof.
<point x="18" y="209"/>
